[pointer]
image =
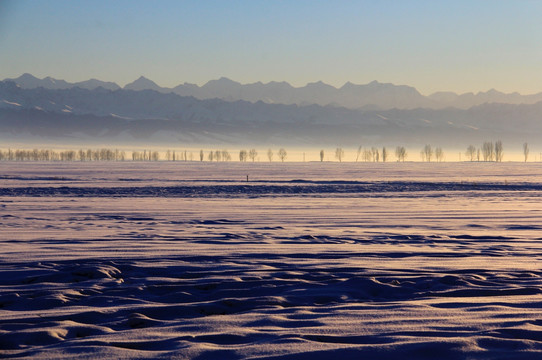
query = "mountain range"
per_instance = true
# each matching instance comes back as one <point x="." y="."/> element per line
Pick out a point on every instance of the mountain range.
<point x="77" y="115"/>
<point x="372" y="96"/>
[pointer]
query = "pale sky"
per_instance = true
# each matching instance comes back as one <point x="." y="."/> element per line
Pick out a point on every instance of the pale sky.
<point x="433" y="45"/>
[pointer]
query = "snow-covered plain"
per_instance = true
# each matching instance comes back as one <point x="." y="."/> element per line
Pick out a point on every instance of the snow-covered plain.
<point x="304" y="261"/>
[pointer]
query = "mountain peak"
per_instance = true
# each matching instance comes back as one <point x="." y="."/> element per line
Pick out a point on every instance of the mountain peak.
<point x="319" y="84"/>
<point x="50" y="80"/>
<point x="493" y="92"/>
<point x="223" y="81"/>
<point x="350" y="95"/>
<point x="216" y="87"/>
<point x="142" y="83"/>
<point x="143" y="79"/>
<point x="26" y="76"/>
<point x="348" y="86"/>
<point x="29" y="81"/>
<point x="282" y="84"/>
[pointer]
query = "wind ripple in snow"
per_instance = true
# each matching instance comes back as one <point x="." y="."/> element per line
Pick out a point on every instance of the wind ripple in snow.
<point x="269" y="270"/>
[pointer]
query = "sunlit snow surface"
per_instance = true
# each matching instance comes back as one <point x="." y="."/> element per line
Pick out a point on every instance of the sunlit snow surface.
<point x="304" y="261"/>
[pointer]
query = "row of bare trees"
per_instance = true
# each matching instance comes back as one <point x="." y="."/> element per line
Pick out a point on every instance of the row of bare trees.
<point x="490" y="151"/>
<point x="65" y="155"/>
<point x="252" y="154"/>
<point x="428" y="152"/>
<point x="183" y="155"/>
<point x="224" y="155"/>
<point x="370" y="155"/>
<point x="145" y="155"/>
<point x="216" y="155"/>
<point x="120" y="155"/>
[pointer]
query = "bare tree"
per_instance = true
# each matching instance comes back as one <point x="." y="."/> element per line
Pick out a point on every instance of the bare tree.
<point x="358" y="153"/>
<point x="471" y="152"/>
<point x="225" y="155"/>
<point x="487" y="151"/>
<point x="270" y="155"/>
<point x="243" y="155"/>
<point x="201" y="155"/>
<point x="376" y="154"/>
<point x="339" y="154"/>
<point x="282" y="154"/>
<point x="499" y="152"/>
<point x="211" y="156"/>
<point x="252" y="154"/>
<point x="321" y="155"/>
<point x="384" y="154"/>
<point x="439" y="154"/>
<point x="400" y="153"/>
<point x="367" y="155"/>
<point x="526" y="151"/>
<point x="218" y="155"/>
<point x="427" y="153"/>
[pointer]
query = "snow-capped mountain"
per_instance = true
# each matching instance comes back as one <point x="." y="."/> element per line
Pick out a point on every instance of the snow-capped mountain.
<point x="101" y="114"/>
<point x="374" y="95"/>
<point x="28" y="81"/>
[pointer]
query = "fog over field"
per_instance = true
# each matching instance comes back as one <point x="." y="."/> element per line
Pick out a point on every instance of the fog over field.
<point x="305" y="260"/>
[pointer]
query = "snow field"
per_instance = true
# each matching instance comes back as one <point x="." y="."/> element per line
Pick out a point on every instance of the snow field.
<point x="361" y="261"/>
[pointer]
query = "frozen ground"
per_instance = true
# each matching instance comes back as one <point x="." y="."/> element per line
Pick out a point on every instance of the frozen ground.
<point x="305" y="261"/>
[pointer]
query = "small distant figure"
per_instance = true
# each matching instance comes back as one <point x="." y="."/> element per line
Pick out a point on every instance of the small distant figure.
<point x="247" y="178"/>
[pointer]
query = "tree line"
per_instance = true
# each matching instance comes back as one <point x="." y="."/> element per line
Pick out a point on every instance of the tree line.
<point x="372" y="154"/>
<point x="105" y="154"/>
<point x="65" y="155"/>
<point x="488" y="151"/>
